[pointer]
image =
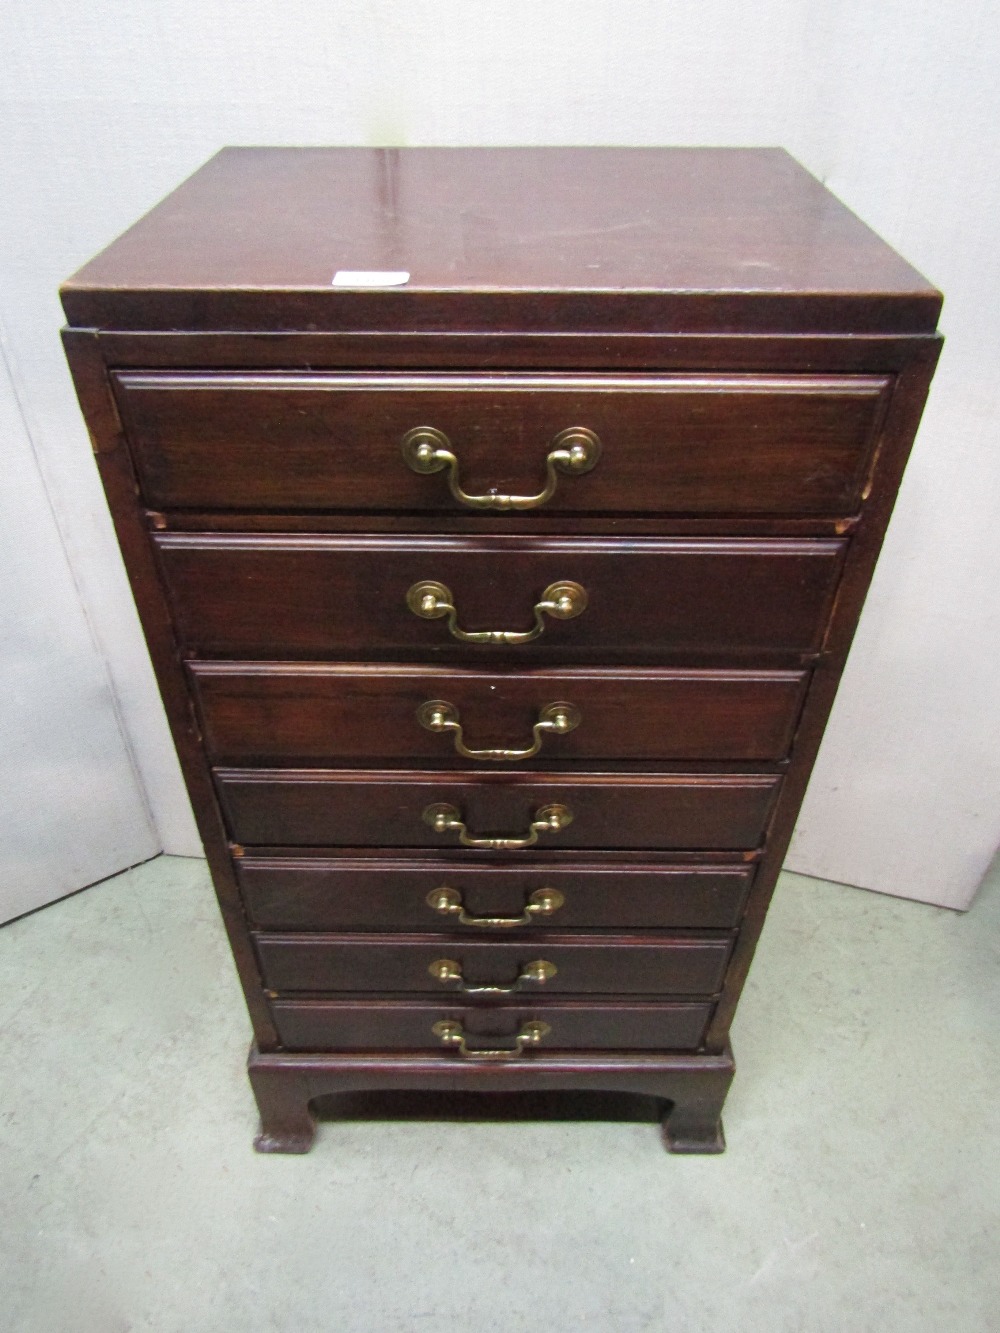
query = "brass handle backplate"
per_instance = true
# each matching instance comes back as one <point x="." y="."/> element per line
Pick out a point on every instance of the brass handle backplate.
<point x="535" y="973"/>
<point x="541" y="903"/>
<point x="432" y="600"/>
<point x="439" y="716"/>
<point x="444" y="818"/>
<point x="453" y="1034"/>
<point x="572" y="452"/>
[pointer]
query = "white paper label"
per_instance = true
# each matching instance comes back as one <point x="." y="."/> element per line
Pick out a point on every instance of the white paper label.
<point x="349" y="277"/>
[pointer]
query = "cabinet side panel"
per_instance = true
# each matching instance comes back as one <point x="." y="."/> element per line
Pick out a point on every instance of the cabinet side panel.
<point x="118" y="479"/>
<point x="901" y="423"/>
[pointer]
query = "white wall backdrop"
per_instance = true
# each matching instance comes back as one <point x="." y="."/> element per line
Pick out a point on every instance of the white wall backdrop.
<point x="71" y="808"/>
<point x="895" y="105"/>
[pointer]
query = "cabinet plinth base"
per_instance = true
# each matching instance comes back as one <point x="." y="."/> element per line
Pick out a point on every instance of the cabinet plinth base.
<point x="694" y="1087"/>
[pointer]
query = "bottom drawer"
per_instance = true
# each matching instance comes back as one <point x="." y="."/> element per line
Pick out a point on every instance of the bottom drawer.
<point x="350" y="1025"/>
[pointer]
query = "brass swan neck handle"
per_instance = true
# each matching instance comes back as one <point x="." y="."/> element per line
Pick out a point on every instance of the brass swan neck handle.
<point x="452" y="1033"/>
<point x="572" y="452"/>
<point x="432" y="600"/>
<point x="535" y="973"/>
<point x="439" y="716"/>
<point x="542" y="903"/>
<point x="445" y="818"/>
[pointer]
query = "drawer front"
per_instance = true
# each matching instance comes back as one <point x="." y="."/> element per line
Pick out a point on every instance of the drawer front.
<point x="798" y="444"/>
<point x="484" y="969"/>
<point x="309" y="713"/>
<point x="287" y="893"/>
<point x="278" y="597"/>
<point x="303" y="807"/>
<point x="326" y="1025"/>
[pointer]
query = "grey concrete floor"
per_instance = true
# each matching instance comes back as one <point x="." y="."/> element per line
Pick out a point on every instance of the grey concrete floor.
<point x="860" y="1191"/>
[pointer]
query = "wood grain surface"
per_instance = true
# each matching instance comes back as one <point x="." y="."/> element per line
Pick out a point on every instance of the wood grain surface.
<point x="732" y="239"/>
<point x="277" y="597"/>
<point x="630" y="964"/>
<point x="679" y="444"/>
<point x="384" y="808"/>
<point x="304" y="712"/>
<point x="327" y="894"/>
<point x="348" y="1025"/>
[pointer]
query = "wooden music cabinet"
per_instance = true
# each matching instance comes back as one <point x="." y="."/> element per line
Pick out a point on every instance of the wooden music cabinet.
<point x="498" y="612"/>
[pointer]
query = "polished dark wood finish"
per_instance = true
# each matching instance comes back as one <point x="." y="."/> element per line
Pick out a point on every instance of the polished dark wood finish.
<point x="669" y="350"/>
<point x="400" y="1025"/>
<point x="615" y="964"/>
<point x="690" y="1088"/>
<point x="239" y="522"/>
<point x="730" y="239"/>
<point x="328" y="713"/>
<point x="118" y="479"/>
<point x="384" y="808"/>
<point x="688" y="444"/>
<point x="755" y="361"/>
<point x="262" y="596"/>
<point x="326" y="894"/>
<point x="910" y="396"/>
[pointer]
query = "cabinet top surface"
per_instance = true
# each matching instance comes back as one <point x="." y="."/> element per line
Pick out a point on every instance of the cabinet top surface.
<point x="637" y="239"/>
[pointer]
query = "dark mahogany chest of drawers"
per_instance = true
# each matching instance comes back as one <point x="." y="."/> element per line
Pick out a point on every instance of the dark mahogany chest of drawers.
<point x="498" y="611"/>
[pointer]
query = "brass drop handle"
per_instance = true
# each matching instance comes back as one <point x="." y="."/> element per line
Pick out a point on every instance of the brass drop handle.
<point x="541" y="903"/>
<point x="453" y="1034"/>
<point x="535" y="973"/>
<point x="444" y="818"/>
<point x="431" y="600"/>
<point x="572" y="452"/>
<point x="439" y="716"/>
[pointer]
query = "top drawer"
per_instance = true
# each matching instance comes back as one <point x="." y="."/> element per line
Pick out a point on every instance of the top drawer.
<point x="723" y="444"/>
